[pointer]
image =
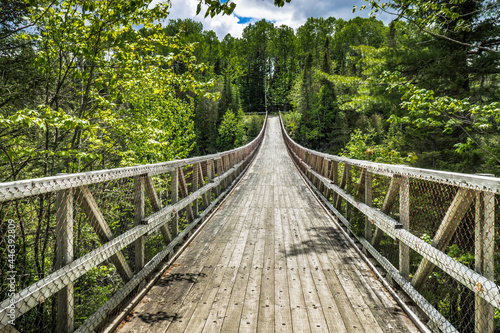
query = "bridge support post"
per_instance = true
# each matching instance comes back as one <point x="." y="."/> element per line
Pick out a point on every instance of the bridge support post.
<point x="404" y="213"/>
<point x="174" y="191"/>
<point x="368" y="201"/>
<point x="64" y="255"/>
<point x="196" y="179"/>
<point x="210" y="174"/>
<point x="334" y="176"/>
<point x="347" y="184"/>
<point x="306" y="159"/>
<point x="324" y="172"/>
<point x="139" y="204"/>
<point x="484" y="255"/>
<point x="219" y="172"/>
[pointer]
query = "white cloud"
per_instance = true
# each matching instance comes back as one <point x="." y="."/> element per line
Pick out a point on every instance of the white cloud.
<point x="293" y="14"/>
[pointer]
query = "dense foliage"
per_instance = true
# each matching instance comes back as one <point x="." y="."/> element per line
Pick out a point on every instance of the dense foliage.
<point x="113" y="95"/>
<point x="83" y="88"/>
<point x="419" y="91"/>
<point x="89" y="85"/>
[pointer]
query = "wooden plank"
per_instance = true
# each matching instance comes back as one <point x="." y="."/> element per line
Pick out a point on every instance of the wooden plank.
<point x="334" y="176"/>
<point x="234" y="246"/>
<point x="352" y="298"/>
<point x="454" y="215"/>
<point x="251" y="309"/>
<point x="283" y="315"/>
<point x="323" y="172"/>
<point x="385" y="310"/>
<point x="210" y="175"/>
<point x="389" y="200"/>
<point x="348" y="185"/>
<point x="236" y="302"/>
<point x="361" y="185"/>
<point x="220" y="171"/>
<point x="219" y="308"/>
<point x="324" y="313"/>
<point x="224" y="168"/>
<point x="325" y="252"/>
<point x="300" y="319"/>
<point x="266" y="314"/>
<point x="182" y="281"/>
<point x="89" y="206"/>
<point x="64" y="255"/>
<point x="318" y="168"/>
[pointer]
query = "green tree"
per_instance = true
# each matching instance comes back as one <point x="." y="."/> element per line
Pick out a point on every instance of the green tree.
<point x="231" y="131"/>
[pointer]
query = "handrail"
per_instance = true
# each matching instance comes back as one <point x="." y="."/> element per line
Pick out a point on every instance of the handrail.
<point x="471" y="199"/>
<point x="211" y="173"/>
<point x="29" y="187"/>
<point x="475" y="182"/>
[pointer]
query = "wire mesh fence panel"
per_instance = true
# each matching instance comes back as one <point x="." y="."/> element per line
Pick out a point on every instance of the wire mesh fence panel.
<point x="75" y="247"/>
<point x="27" y="249"/>
<point x="435" y="233"/>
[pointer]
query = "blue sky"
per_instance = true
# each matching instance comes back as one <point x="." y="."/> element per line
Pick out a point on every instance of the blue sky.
<point x="293" y="14"/>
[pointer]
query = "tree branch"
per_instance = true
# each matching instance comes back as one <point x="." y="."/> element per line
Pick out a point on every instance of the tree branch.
<point x="29" y="25"/>
<point x="401" y="15"/>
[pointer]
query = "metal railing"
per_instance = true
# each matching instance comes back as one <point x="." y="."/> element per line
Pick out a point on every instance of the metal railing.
<point x="77" y="247"/>
<point x="435" y="233"/>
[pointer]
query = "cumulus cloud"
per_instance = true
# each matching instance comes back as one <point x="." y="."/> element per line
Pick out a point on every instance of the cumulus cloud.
<point x="293" y="14"/>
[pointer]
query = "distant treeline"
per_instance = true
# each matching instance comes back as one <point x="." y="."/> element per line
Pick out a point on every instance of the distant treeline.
<point x="83" y="89"/>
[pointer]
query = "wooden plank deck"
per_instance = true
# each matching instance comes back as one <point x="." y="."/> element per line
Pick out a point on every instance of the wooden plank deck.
<point x="270" y="260"/>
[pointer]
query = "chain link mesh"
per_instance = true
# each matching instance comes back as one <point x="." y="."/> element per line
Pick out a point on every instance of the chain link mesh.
<point x="459" y="217"/>
<point x="74" y="247"/>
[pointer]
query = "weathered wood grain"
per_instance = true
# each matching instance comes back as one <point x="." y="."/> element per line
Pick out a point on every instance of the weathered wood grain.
<point x="270" y="260"/>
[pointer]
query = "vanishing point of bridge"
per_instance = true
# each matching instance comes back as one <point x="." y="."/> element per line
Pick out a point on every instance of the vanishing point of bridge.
<point x="269" y="237"/>
<point x="270" y="260"/>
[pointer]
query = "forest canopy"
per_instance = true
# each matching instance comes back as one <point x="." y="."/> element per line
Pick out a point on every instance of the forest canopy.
<point x="90" y="85"/>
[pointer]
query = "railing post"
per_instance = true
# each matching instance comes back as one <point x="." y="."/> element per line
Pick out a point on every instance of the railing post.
<point x="174" y="191"/>
<point x="195" y="186"/>
<point x="64" y="255"/>
<point x="484" y="257"/>
<point x="348" y="181"/>
<point x="368" y="201"/>
<point x="139" y="204"/>
<point x="210" y="173"/>
<point x="319" y="167"/>
<point x="232" y="163"/>
<point x="334" y="176"/>
<point x="404" y="213"/>
<point x="219" y="172"/>
<point x="324" y="172"/>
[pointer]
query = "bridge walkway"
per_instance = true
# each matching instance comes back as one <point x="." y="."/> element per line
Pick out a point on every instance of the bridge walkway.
<point x="270" y="260"/>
